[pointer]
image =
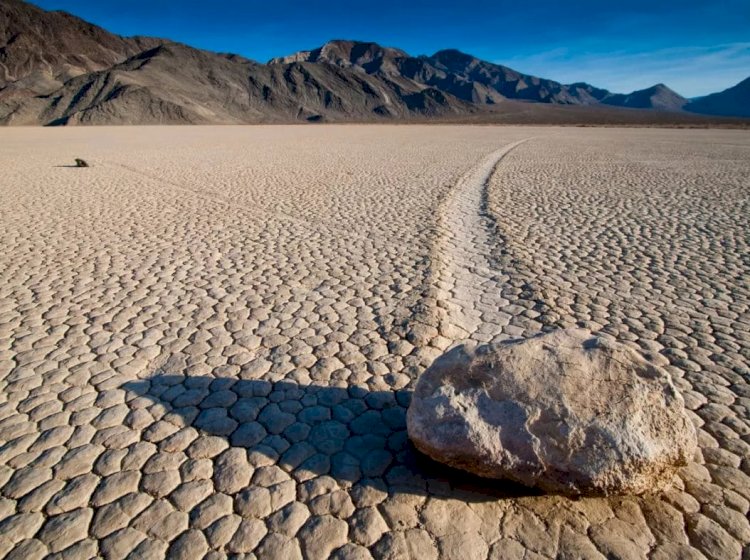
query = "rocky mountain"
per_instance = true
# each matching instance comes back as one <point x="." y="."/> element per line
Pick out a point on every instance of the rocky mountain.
<point x="174" y="83"/>
<point x="656" y="97"/>
<point x="370" y="57"/>
<point x="393" y="65"/>
<point x="40" y="50"/>
<point x="592" y="91"/>
<point x="734" y="101"/>
<point x="505" y="81"/>
<point x="462" y="75"/>
<point x="477" y="81"/>
<point x="57" y="69"/>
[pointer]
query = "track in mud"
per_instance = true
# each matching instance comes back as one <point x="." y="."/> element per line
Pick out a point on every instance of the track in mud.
<point x="468" y="280"/>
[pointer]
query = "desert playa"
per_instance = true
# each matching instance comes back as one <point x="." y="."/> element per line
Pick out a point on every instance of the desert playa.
<point x="209" y="337"/>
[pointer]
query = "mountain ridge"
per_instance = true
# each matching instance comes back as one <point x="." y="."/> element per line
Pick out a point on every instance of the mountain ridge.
<point x="57" y="69"/>
<point x="450" y="70"/>
<point x="174" y="83"/>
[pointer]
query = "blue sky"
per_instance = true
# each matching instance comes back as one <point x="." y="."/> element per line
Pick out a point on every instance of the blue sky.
<point x="695" y="47"/>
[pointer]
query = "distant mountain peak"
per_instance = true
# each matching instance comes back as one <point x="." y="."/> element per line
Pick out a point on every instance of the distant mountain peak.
<point x="343" y="52"/>
<point x="360" y="43"/>
<point x="454" y="59"/>
<point x="660" y="87"/>
<point x="658" y="96"/>
<point x="452" y="54"/>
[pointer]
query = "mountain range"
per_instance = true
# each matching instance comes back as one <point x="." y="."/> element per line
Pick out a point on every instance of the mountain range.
<point x="57" y="69"/>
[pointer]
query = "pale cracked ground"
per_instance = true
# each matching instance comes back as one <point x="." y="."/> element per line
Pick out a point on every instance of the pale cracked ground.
<point x="208" y="339"/>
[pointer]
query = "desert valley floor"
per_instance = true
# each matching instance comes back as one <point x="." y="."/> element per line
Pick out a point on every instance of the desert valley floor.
<point x="209" y="337"/>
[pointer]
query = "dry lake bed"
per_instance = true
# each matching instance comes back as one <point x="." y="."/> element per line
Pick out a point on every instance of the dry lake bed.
<point x="209" y="337"/>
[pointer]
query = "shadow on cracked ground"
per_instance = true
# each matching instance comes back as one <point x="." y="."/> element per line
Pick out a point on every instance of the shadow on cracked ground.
<point x="351" y="434"/>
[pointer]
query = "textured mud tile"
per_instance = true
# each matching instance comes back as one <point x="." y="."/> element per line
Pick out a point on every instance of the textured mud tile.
<point x="412" y="543"/>
<point x="247" y="537"/>
<point x="321" y="535"/>
<point x="160" y="520"/>
<point x="37" y="499"/>
<point x="20" y="526"/>
<point x="27" y="550"/>
<point x="289" y="519"/>
<point x="120" y="543"/>
<point x="117" y="515"/>
<point x="63" y="530"/>
<point x="190" y="544"/>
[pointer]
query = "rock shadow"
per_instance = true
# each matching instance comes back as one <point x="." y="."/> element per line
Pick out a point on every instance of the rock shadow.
<point x="351" y="434"/>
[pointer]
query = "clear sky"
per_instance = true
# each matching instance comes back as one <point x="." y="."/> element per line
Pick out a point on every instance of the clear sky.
<point x="694" y="46"/>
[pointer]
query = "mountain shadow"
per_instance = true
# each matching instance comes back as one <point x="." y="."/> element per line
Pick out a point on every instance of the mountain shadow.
<point x="351" y="434"/>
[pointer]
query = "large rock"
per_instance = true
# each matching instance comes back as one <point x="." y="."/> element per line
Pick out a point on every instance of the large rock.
<point x="566" y="412"/>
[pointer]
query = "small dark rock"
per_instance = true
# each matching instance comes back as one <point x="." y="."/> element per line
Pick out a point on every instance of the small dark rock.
<point x="81" y="163"/>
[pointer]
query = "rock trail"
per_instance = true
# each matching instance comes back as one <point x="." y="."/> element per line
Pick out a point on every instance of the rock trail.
<point x="468" y="279"/>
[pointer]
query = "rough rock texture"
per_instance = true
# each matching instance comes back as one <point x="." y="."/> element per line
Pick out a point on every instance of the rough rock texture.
<point x="451" y="71"/>
<point x="565" y="411"/>
<point x="41" y="50"/>
<point x="176" y="84"/>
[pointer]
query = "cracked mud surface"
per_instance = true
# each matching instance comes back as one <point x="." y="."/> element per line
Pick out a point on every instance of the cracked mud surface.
<point x="208" y="338"/>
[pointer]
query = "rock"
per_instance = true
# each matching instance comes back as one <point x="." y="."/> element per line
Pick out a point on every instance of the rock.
<point x="566" y="412"/>
<point x="81" y="163"/>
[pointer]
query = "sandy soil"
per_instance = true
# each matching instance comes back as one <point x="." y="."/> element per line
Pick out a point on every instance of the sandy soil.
<point x="208" y="338"/>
